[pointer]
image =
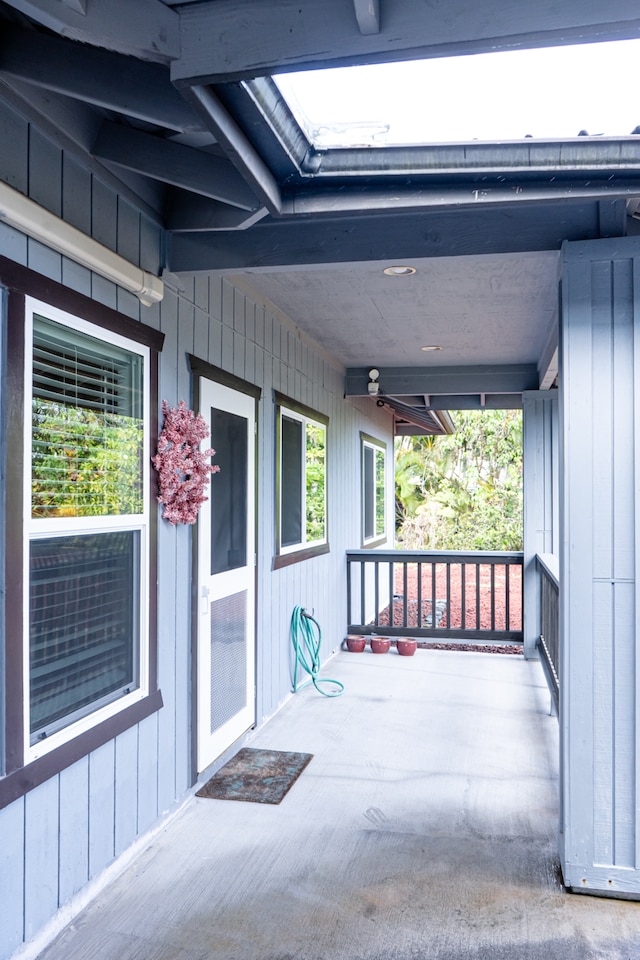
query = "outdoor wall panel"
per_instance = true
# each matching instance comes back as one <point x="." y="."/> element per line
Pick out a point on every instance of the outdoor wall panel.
<point x="126" y="789"/>
<point x="45" y="172"/>
<point x="76" y="194"/>
<point x="540" y="485"/>
<point x="41" y="855"/>
<point x="75" y="825"/>
<point x="101" y="805"/>
<point x="12" y="871"/>
<point x="14" y="136"/>
<point x="600" y="383"/>
<point x="74" y="829"/>
<point x="148" y="752"/>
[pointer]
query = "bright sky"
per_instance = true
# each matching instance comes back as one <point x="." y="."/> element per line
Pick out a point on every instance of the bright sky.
<point x="550" y="93"/>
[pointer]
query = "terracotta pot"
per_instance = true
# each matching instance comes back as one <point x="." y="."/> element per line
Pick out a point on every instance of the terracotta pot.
<point x="356" y="644"/>
<point x="380" y="644"/>
<point x="406" y="646"/>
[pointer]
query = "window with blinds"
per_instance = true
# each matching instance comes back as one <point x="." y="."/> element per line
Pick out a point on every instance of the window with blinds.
<point x="87" y="426"/>
<point x="87" y="529"/>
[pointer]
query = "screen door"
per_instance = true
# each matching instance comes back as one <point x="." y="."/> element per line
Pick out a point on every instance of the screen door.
<point x="226" y="575"/>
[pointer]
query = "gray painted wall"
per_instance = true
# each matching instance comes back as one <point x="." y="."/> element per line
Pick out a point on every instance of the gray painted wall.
<point x="541" y="515"/>
<point x="599" y="562"/>
<point x="65" y="832"/>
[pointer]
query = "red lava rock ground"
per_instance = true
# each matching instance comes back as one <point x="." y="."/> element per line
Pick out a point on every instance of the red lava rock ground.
<point x="503" y="617"/>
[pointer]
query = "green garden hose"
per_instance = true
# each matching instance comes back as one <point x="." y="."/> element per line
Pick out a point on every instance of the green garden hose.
<point x="307" y="637"/>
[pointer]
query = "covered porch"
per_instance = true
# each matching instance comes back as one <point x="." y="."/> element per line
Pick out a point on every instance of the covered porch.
<point x="424" y="826"/>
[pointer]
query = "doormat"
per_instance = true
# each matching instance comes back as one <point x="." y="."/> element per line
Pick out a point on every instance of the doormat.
<point x="257" y="776"/>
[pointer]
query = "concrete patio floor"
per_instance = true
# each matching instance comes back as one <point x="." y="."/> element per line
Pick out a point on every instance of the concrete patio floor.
<point x="424" y="827"/>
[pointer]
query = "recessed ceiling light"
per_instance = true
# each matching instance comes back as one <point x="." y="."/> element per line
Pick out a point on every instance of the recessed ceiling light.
<point x="431" y="346"/>
<point x="399" y="271"/>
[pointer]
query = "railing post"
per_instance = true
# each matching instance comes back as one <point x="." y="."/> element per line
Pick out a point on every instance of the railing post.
<point x="540" y="487"/>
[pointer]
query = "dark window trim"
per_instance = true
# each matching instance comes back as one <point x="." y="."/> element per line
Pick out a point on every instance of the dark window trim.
<point x="304" y="553"/>
<point x="201" y="368"/>
<point x="22" y="280"/>
<point x="374" y="441"/>
<point x="19" y="283"/>
<point x="18" y="782"/>
<point x="282" y="400"/>
<point x="297" y="556"/>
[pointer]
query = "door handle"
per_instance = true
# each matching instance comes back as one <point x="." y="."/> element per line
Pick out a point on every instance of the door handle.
<point x="204" y="599"/>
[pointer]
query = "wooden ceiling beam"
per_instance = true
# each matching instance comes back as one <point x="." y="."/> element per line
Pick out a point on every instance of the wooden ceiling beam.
<point x="411" y="382"/>
<point x="386" y="238"/>
<point x="266" y="38"/>
<point x="99" y="77"/>
<point x="148" y="29"/>
<point x="194" y="170"/>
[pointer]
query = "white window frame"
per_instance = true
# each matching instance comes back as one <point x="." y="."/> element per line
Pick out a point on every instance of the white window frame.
<point x="40" y="528"/>
<point x="294" y="411"/>
<point x="378" y="448"/>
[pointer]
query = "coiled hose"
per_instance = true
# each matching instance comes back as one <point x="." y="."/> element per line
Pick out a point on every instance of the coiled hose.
<point x="307" y="637"/>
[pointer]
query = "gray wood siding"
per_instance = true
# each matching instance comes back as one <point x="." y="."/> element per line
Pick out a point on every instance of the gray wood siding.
<point x="600" y="423"/>
<point x="540" y="481"/>
<point x="67" y="831"/>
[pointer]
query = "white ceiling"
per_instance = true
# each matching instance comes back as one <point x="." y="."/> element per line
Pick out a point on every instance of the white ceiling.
<point x="496" y="309"/>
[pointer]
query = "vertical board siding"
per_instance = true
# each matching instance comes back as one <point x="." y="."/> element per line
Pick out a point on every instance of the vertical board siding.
<point x="12" y="877"/>
<point x="600" y="378"/>
<point x="101" y="808"/>
<point x="41" y="856"/>
<point x="540" y="483"/>
<point x="14" y="136"/>
<point x="74" y="829"/>
<point x="45" y="172"/>
<point x="68" y="830"/>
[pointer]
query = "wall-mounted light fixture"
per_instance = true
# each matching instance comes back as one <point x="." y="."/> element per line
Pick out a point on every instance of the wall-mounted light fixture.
<point x="30" y="218"/>
<point x="373" y="386"/>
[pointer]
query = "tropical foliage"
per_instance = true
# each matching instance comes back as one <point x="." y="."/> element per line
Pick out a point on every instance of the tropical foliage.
<point x="84" y="462"/>
<point x="462" y="492"/>
<point x="315" y="482"/>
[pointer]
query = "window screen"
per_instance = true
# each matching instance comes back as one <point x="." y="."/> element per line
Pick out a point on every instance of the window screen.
<point x="228" y="492"/>
<point x="83" y="643"/>
<point x="291" y="482"/>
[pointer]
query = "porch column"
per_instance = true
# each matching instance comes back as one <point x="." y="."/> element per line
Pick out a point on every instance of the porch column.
<point x="540" y="489"/>
<point x="599" y="563"/>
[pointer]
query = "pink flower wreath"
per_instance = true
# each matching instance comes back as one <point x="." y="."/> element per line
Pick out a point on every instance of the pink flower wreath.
<point x="183" y="471"/>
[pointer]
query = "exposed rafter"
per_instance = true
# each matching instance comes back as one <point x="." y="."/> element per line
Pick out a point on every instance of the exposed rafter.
<point x="99" y="77"/>
<point x="237" y="148"/>
<point x="368" y="16"/>
<point x="147" y="29"/>
<point x="188" y="212"/>
<point x="173" y="163"/>
<point x="410" y="419"/>
<point x="305" y="34"/>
